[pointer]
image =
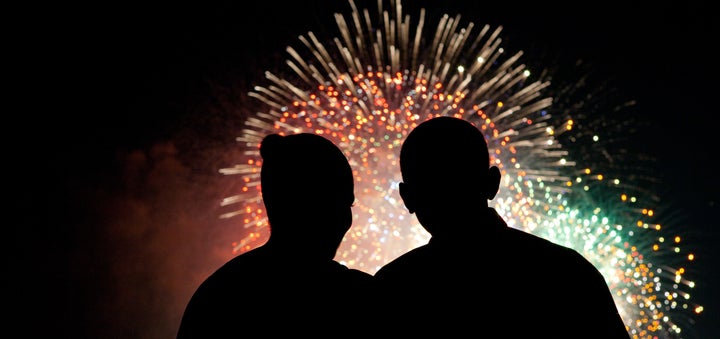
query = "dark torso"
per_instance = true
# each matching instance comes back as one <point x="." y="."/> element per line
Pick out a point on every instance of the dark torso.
<point x="262" y="293"/>
<point x="503" y="279"/>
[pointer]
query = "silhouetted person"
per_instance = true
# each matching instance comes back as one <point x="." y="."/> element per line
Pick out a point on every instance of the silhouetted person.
<point x="477" y="277"/>
<point x="291" y="285"/>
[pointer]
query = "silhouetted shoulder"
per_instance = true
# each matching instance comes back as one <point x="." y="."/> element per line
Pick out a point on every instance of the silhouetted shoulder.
<point x="258" y="294"/>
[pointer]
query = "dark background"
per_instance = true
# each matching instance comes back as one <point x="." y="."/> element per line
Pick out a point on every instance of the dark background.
<point x="119" y="116"/>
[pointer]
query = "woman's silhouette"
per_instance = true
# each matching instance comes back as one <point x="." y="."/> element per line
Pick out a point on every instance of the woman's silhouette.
<point x="290" y="284"/>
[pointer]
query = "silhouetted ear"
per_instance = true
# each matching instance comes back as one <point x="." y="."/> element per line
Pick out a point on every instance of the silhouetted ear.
<point x="493" y="182"/>
<point x="406" y="197"/>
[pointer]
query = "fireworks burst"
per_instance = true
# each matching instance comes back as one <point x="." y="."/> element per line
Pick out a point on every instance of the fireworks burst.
<point x="377" y="82"/>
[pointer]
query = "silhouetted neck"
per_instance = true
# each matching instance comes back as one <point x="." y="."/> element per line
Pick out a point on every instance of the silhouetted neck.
<point x="481" y="225"/>
<point x="298" y="249"/>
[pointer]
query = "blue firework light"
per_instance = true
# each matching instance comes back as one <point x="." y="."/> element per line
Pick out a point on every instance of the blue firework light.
<point x="386" y="72"/>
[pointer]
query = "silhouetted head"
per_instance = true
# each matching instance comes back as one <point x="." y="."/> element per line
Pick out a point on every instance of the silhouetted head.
<point x="446" y="173"/>
<point x="308" y="191"/>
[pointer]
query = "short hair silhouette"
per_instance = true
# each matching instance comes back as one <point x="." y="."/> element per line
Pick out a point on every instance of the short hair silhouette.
<point x="432" y="148"/>
<point x="446" y="157"/>
<point x="291" y="283"/>
<point x="476" y="275"/>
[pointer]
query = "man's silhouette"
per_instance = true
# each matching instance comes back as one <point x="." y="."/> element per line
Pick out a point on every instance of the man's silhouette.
<point x="290" y="285"/>
<point x="477" y="277"/>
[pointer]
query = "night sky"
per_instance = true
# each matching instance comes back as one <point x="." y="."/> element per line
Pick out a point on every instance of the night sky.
<point x="127" y="111"/>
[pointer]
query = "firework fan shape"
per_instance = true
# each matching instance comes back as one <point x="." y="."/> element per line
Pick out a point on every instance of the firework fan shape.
<point x="384" y="75"/>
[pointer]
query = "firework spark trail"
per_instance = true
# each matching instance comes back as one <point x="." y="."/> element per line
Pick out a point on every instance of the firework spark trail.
<point x="379" y="82"/>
